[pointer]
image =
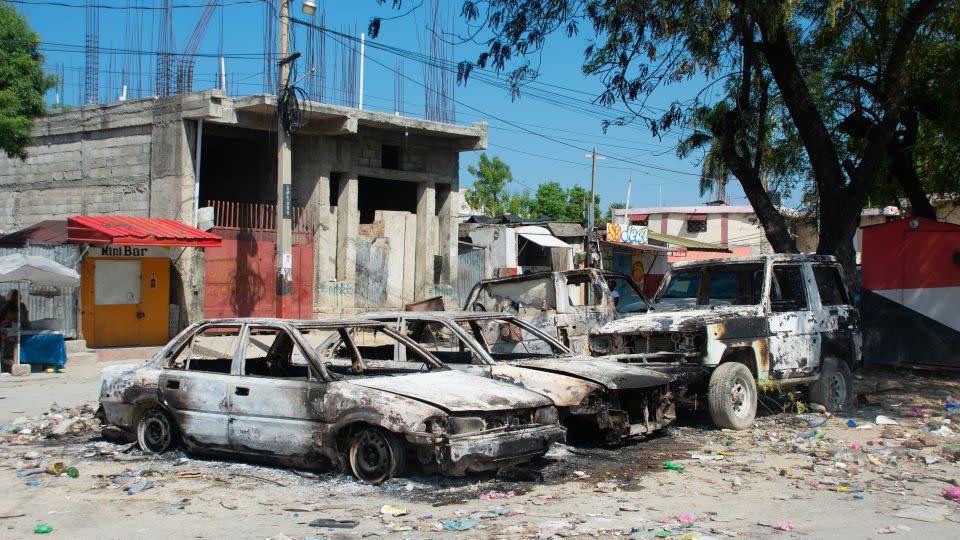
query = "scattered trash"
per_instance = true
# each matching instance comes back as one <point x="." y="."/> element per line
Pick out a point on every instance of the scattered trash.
<point x="139" y="485"/>
<point x="177" y="505"/>
<point x="952" y="493"/>
<point x="189" y="474"/>
<point x="496" y="495"/>
<point x="673" y="466"/>
<point x="334" y="523"/>
<point x="393" y="510"/>
<point x="784" y="526"/>
<point x="43" y="529"/>
<point x="886" y="421"/>
<point x="706" y="457"/>
<point x="851" y="423"/>
<point x="459" y="524"/>
<point x="685" y="518"/>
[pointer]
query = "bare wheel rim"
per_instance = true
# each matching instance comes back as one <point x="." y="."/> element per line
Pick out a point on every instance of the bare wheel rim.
<point x="156" y="432"/>
<point x="371" y="456"/>
<point x="837" y="390"/>
<point x="740" y="397"/>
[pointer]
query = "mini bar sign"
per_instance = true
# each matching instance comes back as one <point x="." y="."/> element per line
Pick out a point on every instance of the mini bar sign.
<point x="134" y="251"/>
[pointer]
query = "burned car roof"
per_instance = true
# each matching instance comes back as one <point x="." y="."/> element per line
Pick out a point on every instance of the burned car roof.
<point x="323" y="323"/>
<point x="784" y="257"/>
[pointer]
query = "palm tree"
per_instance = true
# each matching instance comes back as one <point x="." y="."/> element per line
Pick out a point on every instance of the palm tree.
<point x="714" y="173"/>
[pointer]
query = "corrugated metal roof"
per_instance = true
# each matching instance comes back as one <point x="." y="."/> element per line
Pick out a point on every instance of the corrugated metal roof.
<point x="565" y="229"/>
<point x="52" y="232"/>
<point x="137" y="231"/>
<point x="688" y="243"/>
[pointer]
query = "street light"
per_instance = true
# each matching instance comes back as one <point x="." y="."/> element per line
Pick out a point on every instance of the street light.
<point x="309" y="7"/>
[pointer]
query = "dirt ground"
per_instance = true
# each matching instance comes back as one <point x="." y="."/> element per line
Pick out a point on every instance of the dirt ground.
<point x="810" y="473"/>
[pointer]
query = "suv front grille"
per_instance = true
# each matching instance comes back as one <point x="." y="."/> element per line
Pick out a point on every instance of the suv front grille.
<point x="654" y="343"/>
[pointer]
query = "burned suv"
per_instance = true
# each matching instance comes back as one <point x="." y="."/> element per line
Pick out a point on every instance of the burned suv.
<point x="720" y="325"/>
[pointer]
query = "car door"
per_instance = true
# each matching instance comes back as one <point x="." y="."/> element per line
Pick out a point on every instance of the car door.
<point x="794" y="340"/>
<point x="274" y="395"/>
<point x="194" y="385"/>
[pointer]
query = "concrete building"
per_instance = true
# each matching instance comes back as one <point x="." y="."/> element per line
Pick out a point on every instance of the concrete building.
<point x="375" y="196"/>
<point x="734" y="227"/>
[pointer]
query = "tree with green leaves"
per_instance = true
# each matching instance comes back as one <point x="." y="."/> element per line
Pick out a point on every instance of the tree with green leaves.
<point x="22" y="82"/>
<point x="555" y="202"/>
<point x="840" y="79"/>
<point x="489" y="194"/>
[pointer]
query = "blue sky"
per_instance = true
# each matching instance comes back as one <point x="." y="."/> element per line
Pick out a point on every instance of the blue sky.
<point x="539" y="140"/>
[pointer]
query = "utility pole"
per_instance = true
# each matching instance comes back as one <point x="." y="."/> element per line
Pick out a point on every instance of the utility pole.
<point x="593" y="204"/>
<point x="626" y="206"/>
<point x="284" y="212"/>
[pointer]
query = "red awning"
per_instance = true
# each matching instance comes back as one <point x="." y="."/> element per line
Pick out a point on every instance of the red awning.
<point x="697" y="217"/>
<point x="639" y="217"/>
<point x="137" y="231"/>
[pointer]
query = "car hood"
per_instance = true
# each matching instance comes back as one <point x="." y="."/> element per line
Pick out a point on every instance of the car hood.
<point x="454" y="391"/>
<point x="675" y="321"/>
<point x="613" y="375"/>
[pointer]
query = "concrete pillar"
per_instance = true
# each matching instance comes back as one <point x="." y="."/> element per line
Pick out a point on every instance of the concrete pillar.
<point x="426" y="238"/>
<point x="348" y="225"/>
<point x="447" y="230"/>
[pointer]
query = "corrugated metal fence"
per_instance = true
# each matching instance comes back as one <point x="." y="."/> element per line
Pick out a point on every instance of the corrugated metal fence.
<point x="470" y="263"/>
<point x="58" y="303"/>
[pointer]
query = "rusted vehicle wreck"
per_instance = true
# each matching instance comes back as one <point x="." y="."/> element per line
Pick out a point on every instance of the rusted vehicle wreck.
<point x="719" y="325"/>
<point x="369" y="401"/>
<point x="567" y="305"/>
<point x="596" y="397"/>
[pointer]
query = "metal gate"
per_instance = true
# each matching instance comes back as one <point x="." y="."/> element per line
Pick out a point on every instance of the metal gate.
<point x="240" y="276"/>
<point x="471" y="261"/>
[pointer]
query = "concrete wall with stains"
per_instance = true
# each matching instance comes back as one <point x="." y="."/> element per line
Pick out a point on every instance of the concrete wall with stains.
<point x="138" y="158"/>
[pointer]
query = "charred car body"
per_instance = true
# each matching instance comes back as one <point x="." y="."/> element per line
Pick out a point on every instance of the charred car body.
<point x="368" y="402"/>
<point x="567" y="305"/>
<point x="594" y="396"/>
<point x="722" y="324"/>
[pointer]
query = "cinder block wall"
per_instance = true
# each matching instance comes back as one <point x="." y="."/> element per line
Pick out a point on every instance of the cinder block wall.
<point x="94" y="173"/>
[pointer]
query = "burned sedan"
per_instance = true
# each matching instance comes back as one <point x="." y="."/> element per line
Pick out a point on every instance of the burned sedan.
<point x="595" y="396"/>
<point x="369" y="402"/>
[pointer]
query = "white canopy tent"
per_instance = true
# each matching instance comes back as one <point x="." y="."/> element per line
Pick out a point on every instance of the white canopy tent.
<point x="34" y="270"/>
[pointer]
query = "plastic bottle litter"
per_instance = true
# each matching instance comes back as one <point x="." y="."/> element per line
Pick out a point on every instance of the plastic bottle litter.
<point x="673" y="466"/>
<point x="43" y="529"/>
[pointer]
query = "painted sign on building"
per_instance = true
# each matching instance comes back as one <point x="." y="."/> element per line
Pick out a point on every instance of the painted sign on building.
<point x="626" y="234"/>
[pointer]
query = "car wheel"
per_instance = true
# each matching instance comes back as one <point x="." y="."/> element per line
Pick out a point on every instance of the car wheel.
<point x="156" y="432"/>
<point x="834" y="388"/>
<point x="375" y="455"/>
<point x="732" y="396"/>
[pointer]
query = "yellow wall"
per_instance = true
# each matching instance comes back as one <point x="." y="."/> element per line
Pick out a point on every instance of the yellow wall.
<point x="145" y="323"/>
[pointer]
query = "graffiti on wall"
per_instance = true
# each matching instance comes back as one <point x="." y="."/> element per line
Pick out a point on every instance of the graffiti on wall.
<point x="626" y="234"/>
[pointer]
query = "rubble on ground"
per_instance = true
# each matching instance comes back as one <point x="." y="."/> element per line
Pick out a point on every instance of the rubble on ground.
<point x="57" y="422"/>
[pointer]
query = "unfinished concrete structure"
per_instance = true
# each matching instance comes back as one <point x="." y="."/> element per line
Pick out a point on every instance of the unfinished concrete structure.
<point x="375" y="195"/>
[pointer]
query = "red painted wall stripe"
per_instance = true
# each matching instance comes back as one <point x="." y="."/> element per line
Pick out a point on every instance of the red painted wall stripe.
<point x="896" y="256"/>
